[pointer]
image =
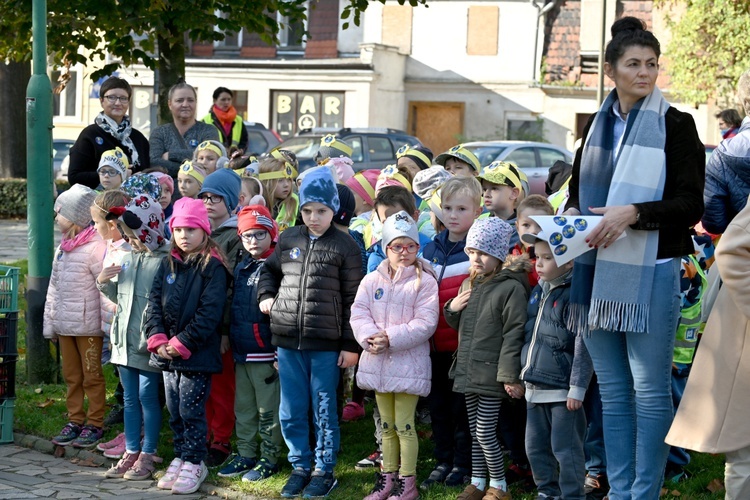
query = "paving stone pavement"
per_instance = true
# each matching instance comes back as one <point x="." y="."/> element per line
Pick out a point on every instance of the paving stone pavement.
<point x="30" y="473"/>
<point x="14" y="239"/>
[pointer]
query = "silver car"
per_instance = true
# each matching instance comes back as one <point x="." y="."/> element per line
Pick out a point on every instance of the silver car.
<point x="534" y="158"/>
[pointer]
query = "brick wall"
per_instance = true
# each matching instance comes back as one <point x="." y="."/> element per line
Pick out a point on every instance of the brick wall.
<point x="254" y="47"/>
<point x="322" y="26"/>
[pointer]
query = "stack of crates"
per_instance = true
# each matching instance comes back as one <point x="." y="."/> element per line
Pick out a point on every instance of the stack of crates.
<point x="8" y="349"/>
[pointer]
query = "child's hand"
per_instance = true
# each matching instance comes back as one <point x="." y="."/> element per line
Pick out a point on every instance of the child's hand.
<point x="224" y="343"/>
<point x="574" y="404"/>
<point x="378" y="343"/>
<point x="266" y="305"/>
<point x="515" y="391"/>
<point x="108" y="273"/>
<point x="459" y="303"/>
<point x="347" y="359"/>
<point x="174" y="353"/>
<point x="162" y="351"/>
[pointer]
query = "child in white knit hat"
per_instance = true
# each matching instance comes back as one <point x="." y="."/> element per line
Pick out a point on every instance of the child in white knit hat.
<point x="113" y="169"/>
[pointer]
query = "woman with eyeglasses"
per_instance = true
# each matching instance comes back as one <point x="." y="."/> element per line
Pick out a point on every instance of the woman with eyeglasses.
<point x="111" y="129"/>
<point x="173" y="143"/>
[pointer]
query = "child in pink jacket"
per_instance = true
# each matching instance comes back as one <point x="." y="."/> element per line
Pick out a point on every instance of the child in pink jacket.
<point x="393" y="316"/>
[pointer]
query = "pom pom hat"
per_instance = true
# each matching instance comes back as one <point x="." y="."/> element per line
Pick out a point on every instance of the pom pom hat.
<point x="491" y="236"/>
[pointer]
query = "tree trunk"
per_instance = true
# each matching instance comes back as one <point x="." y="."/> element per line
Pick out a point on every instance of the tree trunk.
<point x="14" y="77"/>
<point x="170" y="69"/>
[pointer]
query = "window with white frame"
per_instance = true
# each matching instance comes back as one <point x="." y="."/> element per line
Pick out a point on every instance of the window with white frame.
<point x="64" y="103"/>
<point x="291" y="34"/>
<point x="231" y="40"/>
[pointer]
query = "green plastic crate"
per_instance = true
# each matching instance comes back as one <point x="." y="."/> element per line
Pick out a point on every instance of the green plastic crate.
<point x="8" y="289"/>
<point x="6" y="421"/>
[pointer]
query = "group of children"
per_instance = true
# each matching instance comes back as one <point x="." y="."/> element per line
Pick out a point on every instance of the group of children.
<point x="433" y="280"/>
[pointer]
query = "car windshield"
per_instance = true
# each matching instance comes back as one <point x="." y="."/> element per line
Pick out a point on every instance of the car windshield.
<point x="303" y="147"/>
<point x="486" y="154"/>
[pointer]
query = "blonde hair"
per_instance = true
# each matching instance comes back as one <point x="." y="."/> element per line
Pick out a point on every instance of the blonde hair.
<point x="269" y="189"/>
<point x="536" y="202"/>
<point x="476" y="278"/>
<point x="202" y="254"/>
<point x="462" y="186"/>
<point x="109" y="199"/>
<point x="743" y="92"/>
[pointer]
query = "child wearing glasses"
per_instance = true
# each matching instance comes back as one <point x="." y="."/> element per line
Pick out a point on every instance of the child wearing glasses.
<point x="113" y="169"/>
<point x="393" y="317"/>
<point x="221" y="195"/>
<point x="256" y="405"/>
<point x="489" y="313"/>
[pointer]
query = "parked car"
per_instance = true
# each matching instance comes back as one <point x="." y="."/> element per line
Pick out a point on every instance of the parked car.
<point x="260" y="139"/>
<point x="371" y="147"/>
<point x="534" y="158"/>
<point x="60" y="149"/>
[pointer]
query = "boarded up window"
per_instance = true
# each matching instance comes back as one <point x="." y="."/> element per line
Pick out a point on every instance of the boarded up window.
<point x="591" y="24"/>
<point x="481" y="39"/>
<point x="396" y="30"/>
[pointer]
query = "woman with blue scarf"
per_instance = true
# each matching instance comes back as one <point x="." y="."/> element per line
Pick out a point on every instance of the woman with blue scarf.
<point x="642" y="168"/>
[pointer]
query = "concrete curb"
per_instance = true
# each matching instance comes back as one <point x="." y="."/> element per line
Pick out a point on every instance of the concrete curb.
<point x="45" y="446"/>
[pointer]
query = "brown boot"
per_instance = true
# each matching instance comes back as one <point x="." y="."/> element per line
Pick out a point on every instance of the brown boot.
<point x="496" y="494"/>
<point x="405" y="488"/>
<point x="471" y="493"/>
<point x="383" y="485"/>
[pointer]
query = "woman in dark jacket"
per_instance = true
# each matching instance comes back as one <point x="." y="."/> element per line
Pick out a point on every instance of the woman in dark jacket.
<point x="641" y="168"/>
<point x="111" y="129"/>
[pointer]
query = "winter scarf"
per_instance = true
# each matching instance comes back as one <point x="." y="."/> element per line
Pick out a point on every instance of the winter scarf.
<point x="120" y="132"/>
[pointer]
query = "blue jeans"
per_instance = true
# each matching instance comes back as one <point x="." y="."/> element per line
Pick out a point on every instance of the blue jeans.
<point x="141" y="408"/>
<point x="593" y="445"/>
<point x="679" y="457"/>
<point x="309" y="379"/>
<point x="635" y="376"/>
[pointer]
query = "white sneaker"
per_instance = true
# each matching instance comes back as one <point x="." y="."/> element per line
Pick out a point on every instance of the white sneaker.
<point x="169" y="477"/>
<point x="190" y="478"/>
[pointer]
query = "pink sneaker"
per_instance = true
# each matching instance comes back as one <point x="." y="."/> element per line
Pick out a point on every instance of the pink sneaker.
<point x="352" y="411"/>
<point x="190" y="479"/>
<point x="114" y="448"/>
<point x="169" y="477"/>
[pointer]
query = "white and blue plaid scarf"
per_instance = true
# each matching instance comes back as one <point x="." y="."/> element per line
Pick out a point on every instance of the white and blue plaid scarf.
<point x="611" y="287"/>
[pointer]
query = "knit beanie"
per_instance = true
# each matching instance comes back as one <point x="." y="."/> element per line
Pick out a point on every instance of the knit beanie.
<point x="227" y="184"/>
<point x="257" y="217"/>
<point x="347" y="204"/>
<point x="342" y="166"/>
<point x="188" y="212"/>
<point x="165" y="181"/>
<point x="142" y="183"/>
<point x="75" y="204"/>
<point x="307" y="172"/>
<point x="331" y="147"/>
<point x="390" y="176"/>
<point x="398" y="225"/>
<point x="363" y="184"/>
<point x="144" y="216"/>
<point x="318" y="186"/>
<point x="420" y="155"/>
<point x="491" y="236"/>
<point x="116" y="159"/>
<point x="194" y="170"/>
<point x="460" y="153"/>
<point x="427" y="181"/>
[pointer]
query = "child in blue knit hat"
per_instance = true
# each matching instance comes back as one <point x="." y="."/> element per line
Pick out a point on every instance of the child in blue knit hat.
<point x="308" y="286"/>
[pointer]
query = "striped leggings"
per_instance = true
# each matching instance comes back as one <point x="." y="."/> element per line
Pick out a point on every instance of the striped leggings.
<point x="486" y="452"/>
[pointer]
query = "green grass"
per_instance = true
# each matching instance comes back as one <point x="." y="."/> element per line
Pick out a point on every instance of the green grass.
<point x="356" y="439"/>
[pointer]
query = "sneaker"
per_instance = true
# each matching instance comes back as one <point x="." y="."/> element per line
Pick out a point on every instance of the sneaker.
<point x="372" y="460"/>
<point x="167" y="480"/>
<point x="67" y="435"/>
<point x="383" y="486"/>
<point x="438" y="475"/>
<point x="237" y="466"/>
<point x="114" y="448"/>
<point x="190" y="478"/>
<point x="674" y="474"/>
<point x="352" y="411"/>
<point x="320" y="485"/>
<point x="262" y="470"/>
<point x="296" y="483"/>
<point x="116" y="416"/>
<point x="471" y="492"/>
<point x="143" y="468"/>
<point x="121" y="467"/>
<point x="595" y="486"/>
<point x="496" y="494"/>
<point x="458" y="476"/>
<point x="88" y="437"/>
<point x="218" y="454"/>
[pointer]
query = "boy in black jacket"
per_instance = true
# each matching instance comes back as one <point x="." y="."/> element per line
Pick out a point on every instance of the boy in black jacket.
<point x="308" y="286"/>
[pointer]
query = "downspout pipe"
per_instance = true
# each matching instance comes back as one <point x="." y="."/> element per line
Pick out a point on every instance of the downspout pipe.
<point x="540" y="12"/>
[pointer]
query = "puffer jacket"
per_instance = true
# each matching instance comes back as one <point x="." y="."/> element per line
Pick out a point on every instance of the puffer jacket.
<point x="116" y="251"/>
<point x="451" y="265"/>
<point x="406" y="308"/>
<point x="130" y="294"/>
<point x="727" y="181"/>
<point x="553" y="357"/>
<point x="74" y="305"/>
<point x="491" y="331"/>
<point x="229" y="241"/>
<point x="314" y="282"/>
<point x="250" y="329"/>
<point x="185" y="309"/>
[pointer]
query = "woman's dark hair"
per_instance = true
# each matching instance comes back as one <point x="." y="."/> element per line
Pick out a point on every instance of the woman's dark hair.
<point x="627" y="32"/>
<point x="222" y="90"/>
<point x="731" y="117"/>
<point x="114" y="82"/>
